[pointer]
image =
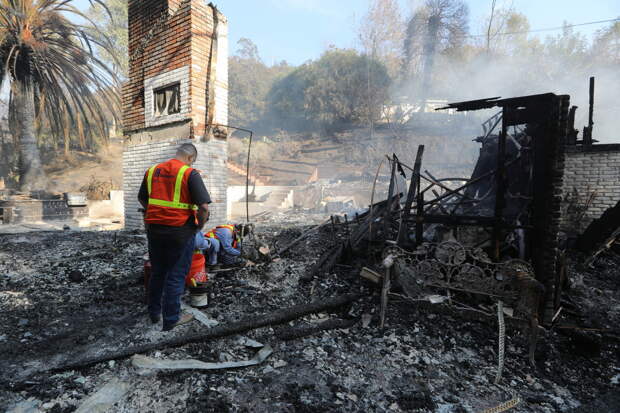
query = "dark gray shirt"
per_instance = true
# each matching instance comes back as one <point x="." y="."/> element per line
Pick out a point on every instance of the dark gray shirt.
<point x="199" y="195"/>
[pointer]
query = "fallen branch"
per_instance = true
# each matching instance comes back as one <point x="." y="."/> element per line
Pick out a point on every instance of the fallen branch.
<point x="75" y="361"/>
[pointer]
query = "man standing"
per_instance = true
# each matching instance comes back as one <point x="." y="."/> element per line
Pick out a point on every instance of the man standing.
<point x="177" y="206"/>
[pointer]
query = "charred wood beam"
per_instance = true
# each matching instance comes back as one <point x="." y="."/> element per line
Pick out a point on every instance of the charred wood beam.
<point x="363" y="229"/>
<point x="334" y="258"/>
<point x="452" y="192"/>
<point x="413" y="188"/>
<point x="333" y="228"/>
<point x="372" y="200"/>
<point x="435" y="181"/>
<point x="387" y="217"/>
<point x="587" y="131"/>
<point x="473" y="181"/>
<point x="500" y="182"/>
<point x="319" y="264"/>
<point x="301" y="237"/>
<point x="78" y="360"/>
<point x="439" y="205"/>
<point x="419" y="228"/>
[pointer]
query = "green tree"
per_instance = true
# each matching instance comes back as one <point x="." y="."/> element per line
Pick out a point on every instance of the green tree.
<point x="54" y="74"/>
<point x="331" y="91"/>
<point x="249" y="82"/>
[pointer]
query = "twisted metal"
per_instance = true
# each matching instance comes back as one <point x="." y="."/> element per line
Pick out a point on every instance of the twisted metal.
<point x="451" y="266"/>
<point x="502" y="341"/>
<point x="506" y="405"/>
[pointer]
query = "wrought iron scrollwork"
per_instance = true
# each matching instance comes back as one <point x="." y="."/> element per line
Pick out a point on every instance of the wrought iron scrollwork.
<point x="451" y="266"/>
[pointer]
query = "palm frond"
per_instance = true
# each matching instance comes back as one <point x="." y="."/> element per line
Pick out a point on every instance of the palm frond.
<point x="73" y="86"/>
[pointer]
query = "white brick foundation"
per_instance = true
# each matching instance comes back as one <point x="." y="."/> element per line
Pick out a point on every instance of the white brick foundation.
<point x="211" y="162"/>
<point x="594" y="169"/>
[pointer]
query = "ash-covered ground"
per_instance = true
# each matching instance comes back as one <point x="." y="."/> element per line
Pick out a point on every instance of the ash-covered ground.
<point x="66" y="294"/>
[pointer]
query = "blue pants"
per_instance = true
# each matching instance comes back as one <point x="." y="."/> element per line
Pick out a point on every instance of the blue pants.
<point x="170" y="263"/>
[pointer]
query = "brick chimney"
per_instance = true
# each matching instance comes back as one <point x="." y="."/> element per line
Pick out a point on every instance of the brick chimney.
<point x="177" y="92"/>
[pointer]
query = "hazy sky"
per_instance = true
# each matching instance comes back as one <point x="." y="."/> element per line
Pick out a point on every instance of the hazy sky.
<point x="298" y="30"/>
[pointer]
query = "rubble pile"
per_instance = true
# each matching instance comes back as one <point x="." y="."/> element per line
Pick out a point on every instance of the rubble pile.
<point x="66" y="294"/>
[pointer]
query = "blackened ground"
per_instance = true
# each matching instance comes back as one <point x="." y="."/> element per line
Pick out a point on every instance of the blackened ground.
<point x="68" y="293"/>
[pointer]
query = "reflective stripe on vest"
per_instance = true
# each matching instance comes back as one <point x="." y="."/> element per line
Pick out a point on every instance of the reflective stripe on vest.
<point x="176" y="201"/>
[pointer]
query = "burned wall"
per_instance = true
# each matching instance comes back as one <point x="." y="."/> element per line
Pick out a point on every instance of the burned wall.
<point x="177" y="92"/>
<point x="593" y="170"/>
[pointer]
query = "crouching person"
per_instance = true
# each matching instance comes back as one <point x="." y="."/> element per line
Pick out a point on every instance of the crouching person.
<point x="229" y="239"/>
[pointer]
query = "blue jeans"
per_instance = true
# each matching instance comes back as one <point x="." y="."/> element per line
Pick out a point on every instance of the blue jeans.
<point x="170" y="263"/>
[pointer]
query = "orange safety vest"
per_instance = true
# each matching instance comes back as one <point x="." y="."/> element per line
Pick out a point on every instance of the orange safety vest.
<point x="169" y="197"/>
<point x="211" y="234"/>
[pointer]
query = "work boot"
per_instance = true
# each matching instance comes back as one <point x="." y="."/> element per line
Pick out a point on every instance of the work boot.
<point x="155" y="319"/>
<point x="213" y="267"/>
<point x="184" y="319"/>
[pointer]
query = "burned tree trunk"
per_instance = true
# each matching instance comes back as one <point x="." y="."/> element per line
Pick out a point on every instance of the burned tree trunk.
<point x="31" y="174"/>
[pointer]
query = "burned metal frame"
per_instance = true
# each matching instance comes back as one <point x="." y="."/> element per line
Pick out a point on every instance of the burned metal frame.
<point x="546" y="117"/>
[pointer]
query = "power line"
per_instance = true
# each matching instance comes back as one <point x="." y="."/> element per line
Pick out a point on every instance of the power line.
<point x="547" y="29"/>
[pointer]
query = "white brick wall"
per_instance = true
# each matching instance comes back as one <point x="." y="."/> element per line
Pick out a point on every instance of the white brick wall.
<point x="211" y="161"/>
<point x="594" y="171"/>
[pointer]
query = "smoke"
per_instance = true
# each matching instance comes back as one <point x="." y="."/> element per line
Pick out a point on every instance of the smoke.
<point x="555" y="66"/>
<point x="482" y="78"/>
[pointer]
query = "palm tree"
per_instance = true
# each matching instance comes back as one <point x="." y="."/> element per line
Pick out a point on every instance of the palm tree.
<point x="55" y="75"/>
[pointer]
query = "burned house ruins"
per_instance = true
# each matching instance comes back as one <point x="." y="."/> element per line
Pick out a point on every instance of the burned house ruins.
<point x="482" y="285"/>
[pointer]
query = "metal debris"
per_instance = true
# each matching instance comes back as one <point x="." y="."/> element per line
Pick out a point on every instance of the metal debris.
<point x="103" y="400"/>
<point x="144" y="362"/>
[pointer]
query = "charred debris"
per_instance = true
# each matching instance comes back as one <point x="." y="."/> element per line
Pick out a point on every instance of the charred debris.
<point x="494" y="238"/>
<point x="484" y="258"/>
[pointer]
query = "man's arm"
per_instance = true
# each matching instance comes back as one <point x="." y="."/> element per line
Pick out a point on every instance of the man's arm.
<point x="202" y="215"/>
<point x="200" y="196"/>
<point x="202" y="243"/>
